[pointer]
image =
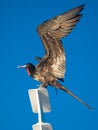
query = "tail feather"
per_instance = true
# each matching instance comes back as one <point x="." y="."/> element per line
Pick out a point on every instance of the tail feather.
<point x="76" y="97"/>
<point x="57" y="85"/>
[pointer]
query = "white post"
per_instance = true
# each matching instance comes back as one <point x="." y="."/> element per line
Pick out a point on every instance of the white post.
<point x="39" y="108"/>
<point x="40" y="104"/>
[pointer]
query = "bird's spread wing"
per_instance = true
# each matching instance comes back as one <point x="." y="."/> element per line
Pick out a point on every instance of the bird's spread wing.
<point x="56" y="58"/>
<point x="50" y="33"/>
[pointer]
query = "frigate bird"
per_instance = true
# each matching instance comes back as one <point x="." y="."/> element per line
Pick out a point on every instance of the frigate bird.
<point x="51" y="68"/>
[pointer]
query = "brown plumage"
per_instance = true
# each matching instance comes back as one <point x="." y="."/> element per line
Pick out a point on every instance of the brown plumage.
<point x="52" y="66"/>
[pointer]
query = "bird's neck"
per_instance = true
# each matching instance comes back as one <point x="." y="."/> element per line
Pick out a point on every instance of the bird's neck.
<point x="31" y="71"/>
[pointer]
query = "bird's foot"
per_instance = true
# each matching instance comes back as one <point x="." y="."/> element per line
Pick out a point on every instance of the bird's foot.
<point x="41" y="86"/>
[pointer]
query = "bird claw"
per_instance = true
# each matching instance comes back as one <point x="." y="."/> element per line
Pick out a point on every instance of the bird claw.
<point x="40" y="86"/>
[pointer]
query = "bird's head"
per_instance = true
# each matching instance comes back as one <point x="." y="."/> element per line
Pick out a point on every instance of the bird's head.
<point x="29" y="67"/>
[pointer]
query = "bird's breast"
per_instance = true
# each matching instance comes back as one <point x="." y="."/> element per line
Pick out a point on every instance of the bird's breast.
<point x="39" y="77"/>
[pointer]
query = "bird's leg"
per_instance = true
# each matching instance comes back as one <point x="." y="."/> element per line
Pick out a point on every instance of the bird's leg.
<point x="38" y="85"/>
<point x="44" y="85"/>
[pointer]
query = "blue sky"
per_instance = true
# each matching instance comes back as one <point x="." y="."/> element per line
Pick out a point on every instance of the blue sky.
<point x="20" y="43"/>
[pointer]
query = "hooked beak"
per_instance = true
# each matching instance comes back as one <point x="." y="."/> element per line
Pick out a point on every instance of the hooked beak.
<point x="24" y="66"/>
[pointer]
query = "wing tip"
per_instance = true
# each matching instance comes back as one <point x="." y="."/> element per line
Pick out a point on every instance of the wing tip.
<point x="82" y="6"/>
